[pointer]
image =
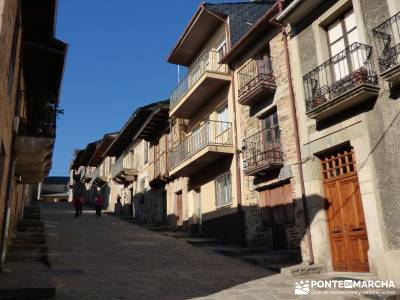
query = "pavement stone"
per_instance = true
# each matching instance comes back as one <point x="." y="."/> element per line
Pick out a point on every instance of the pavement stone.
<point x="107" y="258"/>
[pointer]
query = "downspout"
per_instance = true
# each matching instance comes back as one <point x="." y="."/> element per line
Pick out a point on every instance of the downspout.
<point x="237" y="163"/>
<point x="297" y="136"/>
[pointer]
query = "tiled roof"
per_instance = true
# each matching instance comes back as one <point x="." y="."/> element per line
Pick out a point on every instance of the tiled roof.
<point x="242" y="15"/>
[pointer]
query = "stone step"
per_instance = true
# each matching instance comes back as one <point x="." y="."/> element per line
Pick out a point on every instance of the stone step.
<point x="30" y="229"/>
<point x="26" y="256"/>
<point x="30" y="222"/>
<point x="266" y="261"/>
<point x="203" y="242"/>
<point x="28" y="293"/>
<point x="29" y="234"/>
<point x="26" y="247"/>
<point x="236" y="251"/>
<point x="303" y="270"/>
<point x="29" y="240"/>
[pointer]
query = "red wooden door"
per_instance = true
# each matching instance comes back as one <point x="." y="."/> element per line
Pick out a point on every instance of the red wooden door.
<point x="347" y="228"/>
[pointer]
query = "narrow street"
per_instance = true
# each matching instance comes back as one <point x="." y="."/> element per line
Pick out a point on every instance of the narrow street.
<point x="108" y="258"/>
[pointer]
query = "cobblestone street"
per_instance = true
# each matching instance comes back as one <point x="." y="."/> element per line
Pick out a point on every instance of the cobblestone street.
<point x="108" y="258"/>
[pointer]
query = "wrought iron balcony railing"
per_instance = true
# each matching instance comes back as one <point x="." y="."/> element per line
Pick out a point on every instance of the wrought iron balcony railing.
<point x="261" y="151"/>
<point x="210" y="133"/>
<point x="343" y="72"/>
<point x="207" y="61"/>
<point x="254" y="74"/>
<point x="387" y="38"/>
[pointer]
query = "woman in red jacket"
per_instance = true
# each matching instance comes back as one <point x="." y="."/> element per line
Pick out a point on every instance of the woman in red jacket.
<point x="99" y="204"/>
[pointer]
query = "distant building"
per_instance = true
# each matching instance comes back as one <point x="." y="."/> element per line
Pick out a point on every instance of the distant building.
<point x="55" y="189"/>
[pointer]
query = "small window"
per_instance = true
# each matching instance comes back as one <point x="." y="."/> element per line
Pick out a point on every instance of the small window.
<point x="221" y="50"/>
<point x="223" y="190"/>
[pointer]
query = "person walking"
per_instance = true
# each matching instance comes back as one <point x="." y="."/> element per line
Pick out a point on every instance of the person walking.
<point x="99" y="204"/>
<point x="77" y="204"/>
<point x="82" y="200"/>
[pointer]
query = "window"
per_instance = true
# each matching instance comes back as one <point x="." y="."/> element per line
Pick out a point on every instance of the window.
<point x="342" y="33"/>
<point x="271" y="129"/>
<point x="2" y="164"/>
<point x="221" y="49"/>
<point x="146" y="152"/>
<point x="223" y="190"/>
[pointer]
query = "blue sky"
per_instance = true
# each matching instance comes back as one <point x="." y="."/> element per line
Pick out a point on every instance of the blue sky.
<point x="116" y="62"/>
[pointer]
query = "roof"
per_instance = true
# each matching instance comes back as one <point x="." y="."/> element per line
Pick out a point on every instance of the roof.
<point x="98" y="155"/>
<point x="43" y="55"/>
<point x="241" y="16"/>
<point x="253" y="35"/>
<point x="145" y="123"/>
<point x="56" y="180"/>
<point x="77" y="159"/>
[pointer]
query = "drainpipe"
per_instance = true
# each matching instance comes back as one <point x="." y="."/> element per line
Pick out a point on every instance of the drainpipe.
<point x="296" y="133"/>
<point x="237" y="153"/>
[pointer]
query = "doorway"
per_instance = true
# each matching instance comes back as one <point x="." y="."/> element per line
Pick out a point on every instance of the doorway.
<point x="348" y="234"/>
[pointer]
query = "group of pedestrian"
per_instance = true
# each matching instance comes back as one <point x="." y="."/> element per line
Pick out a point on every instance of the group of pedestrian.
<point x="78" y="202"/>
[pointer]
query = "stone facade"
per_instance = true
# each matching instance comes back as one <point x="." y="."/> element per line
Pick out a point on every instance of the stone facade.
<point x="371" y="130"/>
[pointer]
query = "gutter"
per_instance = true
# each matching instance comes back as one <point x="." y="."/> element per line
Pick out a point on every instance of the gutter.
<point x="287" y="10"/>
<point x="296" y="129"/>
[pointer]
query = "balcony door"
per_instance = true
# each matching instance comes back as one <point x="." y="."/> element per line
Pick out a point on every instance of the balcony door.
<point x="342" y="33"/>
<point x="270" y="143"/>
<point x="222" y="125"/>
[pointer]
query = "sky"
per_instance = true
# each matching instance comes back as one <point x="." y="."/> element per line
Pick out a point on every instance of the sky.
<point x="116" y="62"/>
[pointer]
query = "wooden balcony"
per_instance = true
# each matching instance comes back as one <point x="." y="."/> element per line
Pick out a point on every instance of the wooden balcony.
<point x="204" y="79"/>
<point x="388" y="46"/>
<point x="342" y="82"/>
<point x="33" y="158"/>
<point x="98" y="179"/>
<point x="125" y="170"/>
<point x="212" y="141"/>
<point x="261" y="154"/>
<point x="256" y="80"/>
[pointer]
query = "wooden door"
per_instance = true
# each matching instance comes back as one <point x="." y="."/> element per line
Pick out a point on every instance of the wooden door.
<point x="277" y="211"/>
<point x="179" y="221"/>
<point x="347" y="228"/>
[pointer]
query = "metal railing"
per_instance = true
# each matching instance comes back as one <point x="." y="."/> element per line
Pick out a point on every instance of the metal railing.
<point x="210" y="133"/>
<point x="387" y="39"/>
<point x="261" y="149"/>
<point x="346" y="70"/>
<point x="207" y="61"/>
<point x="257" y="71"/>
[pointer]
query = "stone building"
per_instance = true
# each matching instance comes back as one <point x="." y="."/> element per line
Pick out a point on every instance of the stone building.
<point x="203" y="158"/>
<point x="273" y="215"/>
<point x="31" y="69"/>
<point x="134" y="164"/>
<point x="345" y="71"/>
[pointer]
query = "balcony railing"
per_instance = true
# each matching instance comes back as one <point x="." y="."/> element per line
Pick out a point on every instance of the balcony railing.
<point x="257" y="73"/>
<point x="210" y="133"/>
<point x="207" y="61"/>
<point x="387" y="38"/>
<point x="343" y="72"/>
<point x="261" y="151"/>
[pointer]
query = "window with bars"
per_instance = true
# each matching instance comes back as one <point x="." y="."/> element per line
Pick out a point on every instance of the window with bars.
<point x="339" y="164"/>
<point x="223" y="189"/>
